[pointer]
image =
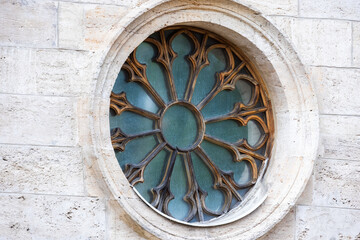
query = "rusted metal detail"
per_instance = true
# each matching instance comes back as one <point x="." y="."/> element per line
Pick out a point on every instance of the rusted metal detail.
<point x="119" y="103"/>
<point x="258" y="110"/>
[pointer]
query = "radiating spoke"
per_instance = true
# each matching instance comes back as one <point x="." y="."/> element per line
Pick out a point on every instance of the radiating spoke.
<point x="137" y="72"/>
<point x="135" y="172"/>
<point x="119" y="103"/>
<point x="226" y="81"/>
<point x="166" y="57"/>
<point x="120" y="139"/>
<point x="197" y="61"/>
<point x="232" y="147"/>
<point x="195" y="195"/>
<point x="238" y="113"/>
<point x="162" y="194"/>
<point x="223" y="181"/>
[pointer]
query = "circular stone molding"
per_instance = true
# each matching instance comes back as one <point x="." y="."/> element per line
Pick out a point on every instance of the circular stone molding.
<point x="293" y="101"/>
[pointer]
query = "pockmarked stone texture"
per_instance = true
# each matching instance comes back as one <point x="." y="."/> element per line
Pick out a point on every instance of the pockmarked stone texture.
<point x="51" y="217"/>
<point x="342" y="177"/>
<point x="337" y="89"/>
<point x="327" y="223"/>
<point x="340" y="137"/>
<point x="346" y="9"/>
<point x="28" y="23"/>
<point x="49" y="170"/>
<point x="38" y="120"/>
<point x="91" y="24"/>
<point x="46" y="71"/>
<point x="319" y="42"/>
<point x="356" y="44"/>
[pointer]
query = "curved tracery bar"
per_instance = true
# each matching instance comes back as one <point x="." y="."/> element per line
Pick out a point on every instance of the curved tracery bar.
<point x="249" y="157"/>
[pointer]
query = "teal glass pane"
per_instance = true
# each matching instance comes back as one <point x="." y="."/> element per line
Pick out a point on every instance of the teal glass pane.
<point x="136" y="150"/>
<point x="206" y="78"/>
<point x="228" y="130"/>
<point x="183" y="46"/>
<point x="153" y="175"/>
<point x="224" y="102"/>
<point x="179" y="187"/>
<point x="146" y="54"/>
<point x="215" y="198"/>
<point x="135" y="93"/>
<point x="225" y="161"/>
<point x="255" y="132"/>
<point x="179" y="127"/>
<point x="138" y="123"/>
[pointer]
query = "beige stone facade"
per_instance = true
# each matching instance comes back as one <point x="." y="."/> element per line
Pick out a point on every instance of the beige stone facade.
<point x="58" y="62"/>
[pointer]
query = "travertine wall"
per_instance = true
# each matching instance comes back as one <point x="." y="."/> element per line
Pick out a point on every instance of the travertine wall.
<point x="50" y="56"/>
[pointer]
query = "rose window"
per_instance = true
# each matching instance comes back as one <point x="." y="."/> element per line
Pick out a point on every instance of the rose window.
<point x="191" y="124"/>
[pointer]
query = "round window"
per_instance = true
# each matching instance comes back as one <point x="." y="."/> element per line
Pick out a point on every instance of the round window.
<point x="191" y="124"/>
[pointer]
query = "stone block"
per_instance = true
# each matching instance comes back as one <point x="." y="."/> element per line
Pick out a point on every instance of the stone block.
<point x="356" y="44"/>
<point x="50" y="170"/>
<point x="336" y="183"/>
<point x="284" y="229"/>
<point x="345" y="9"/>
<point x="327" y="223"/>
<point x="17" y="74"/>
<point x="339" y="136"/>
<point x="273" y="7"/>
<point x="337" y="90"/>
<point x="26" y="216"/>
<point x="28" y="23"/>
<point x="319" y="42"/>
<point x="38" y="120"/>
<point x="46" y="71"/>
<point x="87" y="26"/>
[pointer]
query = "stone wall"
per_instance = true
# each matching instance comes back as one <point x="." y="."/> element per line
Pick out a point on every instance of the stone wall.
<point x="50" y="57"/>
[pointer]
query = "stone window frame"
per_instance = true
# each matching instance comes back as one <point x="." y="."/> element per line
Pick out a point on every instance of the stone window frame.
<point x="294" y="106"/>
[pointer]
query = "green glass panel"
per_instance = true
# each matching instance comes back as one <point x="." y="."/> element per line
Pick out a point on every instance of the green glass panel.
<point x="178" y="207"/>
<point x="182" y="45"/>
<point x="152" y="175"/>
<point x="225" y="161"/>
<point x="138" y="123"/>
<point x="215" y="198"/>
<point x="206" y="78"/>
<point x="179" y="126"/>
<point x="229" y="131"/>
<point x="146" y="54"/>
<point x="255" y="132"/>
<point x="224" y="102"/>
<point x="135" y="94"/>
<point x="136" y="150"/>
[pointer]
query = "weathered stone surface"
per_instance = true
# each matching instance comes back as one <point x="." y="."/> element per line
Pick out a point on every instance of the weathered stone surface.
<point x="340" y="137"/>
<point x="121" y="227"/>
<point x="284" y="229"/>
<point x="327" y="223"/>
<point x="275" y="7"/>
<point x="92" y="23"/>
<point x="318" y="42"/>
<point x="346" y="9"/>
<point x="26" y="216"/>
<point x="337" y="89"/>
<point x="28" y="23"/>
<point x="46" y="71"/>
<point x="38" y="120"/>
<point x="50" y="170"/>
<point x="356" y="44"/>
<point x="342" y="177"/>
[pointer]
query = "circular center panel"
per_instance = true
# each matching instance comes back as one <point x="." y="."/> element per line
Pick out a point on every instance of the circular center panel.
<point x="180" y="126"/>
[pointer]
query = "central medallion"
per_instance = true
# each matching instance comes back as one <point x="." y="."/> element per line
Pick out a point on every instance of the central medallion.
<point x="182" y="126"/>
